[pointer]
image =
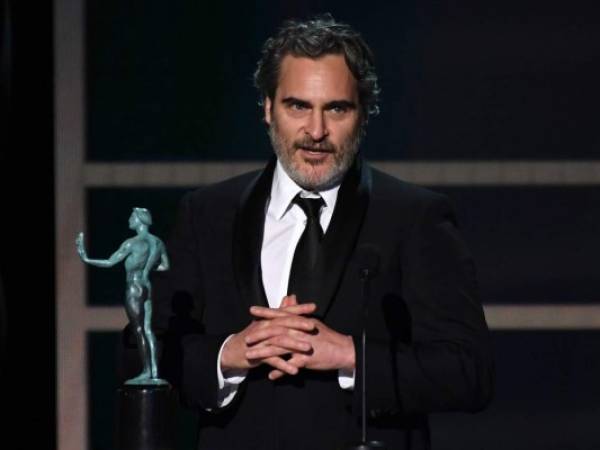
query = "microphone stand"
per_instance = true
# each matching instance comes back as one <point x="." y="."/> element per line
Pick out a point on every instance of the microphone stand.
<point x="366" y="273"/>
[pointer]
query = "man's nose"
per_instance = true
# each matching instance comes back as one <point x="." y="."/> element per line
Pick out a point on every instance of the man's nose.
<point x="317" y="126"/>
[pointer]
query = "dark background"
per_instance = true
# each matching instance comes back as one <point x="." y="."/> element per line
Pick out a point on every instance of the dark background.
<point x="461" y="80"/>
<point x="28" y="377"/>
<point x="466" y="80"/>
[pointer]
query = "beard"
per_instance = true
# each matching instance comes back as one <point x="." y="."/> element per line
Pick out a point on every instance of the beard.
<point x="315" y="175"/>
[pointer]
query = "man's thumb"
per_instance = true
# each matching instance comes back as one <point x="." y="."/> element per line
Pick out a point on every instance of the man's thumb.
<point x="289" y="300"/>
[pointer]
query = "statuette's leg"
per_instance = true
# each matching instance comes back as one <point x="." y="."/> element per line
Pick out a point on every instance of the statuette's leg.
<point x="150" y="337"/>
<point x="133" y="306"/>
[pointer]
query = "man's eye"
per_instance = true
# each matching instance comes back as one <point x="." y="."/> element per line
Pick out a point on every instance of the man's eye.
<point x="297" y="106"/>
<point x="339" y="109"/>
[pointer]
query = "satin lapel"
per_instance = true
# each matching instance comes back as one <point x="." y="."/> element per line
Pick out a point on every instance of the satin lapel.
<point x="248" y="235"/>
<point x="342" y="233"/>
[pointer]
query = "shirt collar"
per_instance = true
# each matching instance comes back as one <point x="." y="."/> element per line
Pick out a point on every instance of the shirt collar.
<point x="284" y="189"/>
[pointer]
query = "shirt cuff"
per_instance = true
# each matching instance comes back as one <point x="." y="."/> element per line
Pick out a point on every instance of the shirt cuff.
<point x="228" y="384"/>
<point x="346" y="378"/>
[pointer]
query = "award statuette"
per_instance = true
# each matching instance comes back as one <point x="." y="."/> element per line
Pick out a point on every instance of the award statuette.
<point x="146" y="402"/>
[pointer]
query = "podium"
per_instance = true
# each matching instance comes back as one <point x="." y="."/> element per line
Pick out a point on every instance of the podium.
<point x="146" y="418"/>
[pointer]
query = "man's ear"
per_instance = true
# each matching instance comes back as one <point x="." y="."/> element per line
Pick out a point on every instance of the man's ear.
<point x="267" y="108"/>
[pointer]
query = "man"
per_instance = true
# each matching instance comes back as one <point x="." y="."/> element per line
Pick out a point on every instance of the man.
<point x="271" y="262"/>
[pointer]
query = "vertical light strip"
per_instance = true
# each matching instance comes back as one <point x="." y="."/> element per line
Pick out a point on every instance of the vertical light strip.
<point x="69" y="192"/>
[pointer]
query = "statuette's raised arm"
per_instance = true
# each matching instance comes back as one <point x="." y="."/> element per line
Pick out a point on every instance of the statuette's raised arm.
<point x="115" y="258"/>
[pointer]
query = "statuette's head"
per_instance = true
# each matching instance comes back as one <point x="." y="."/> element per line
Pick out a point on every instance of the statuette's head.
<point x="139" y="216"/>
<point x="318" y="87"/>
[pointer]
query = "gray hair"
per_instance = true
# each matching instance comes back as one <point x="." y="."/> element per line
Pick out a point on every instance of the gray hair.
<point x="313" y="38"/>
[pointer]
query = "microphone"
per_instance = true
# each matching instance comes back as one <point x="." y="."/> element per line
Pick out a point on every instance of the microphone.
<point x="368" y="261"/>
<point x="368" y="257"/>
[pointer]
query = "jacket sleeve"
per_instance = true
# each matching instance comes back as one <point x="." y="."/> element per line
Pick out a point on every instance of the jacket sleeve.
<point x="189" y="355"/>
<point x="447" y="363"/>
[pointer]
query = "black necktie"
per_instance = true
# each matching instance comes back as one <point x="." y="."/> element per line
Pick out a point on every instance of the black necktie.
<point x="307" y="249"/>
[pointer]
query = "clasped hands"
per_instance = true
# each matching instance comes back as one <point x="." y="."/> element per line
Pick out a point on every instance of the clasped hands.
<point x="287" y="330"/>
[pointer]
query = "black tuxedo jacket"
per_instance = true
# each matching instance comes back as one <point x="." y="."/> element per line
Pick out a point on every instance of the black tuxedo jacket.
<point x="427" y="346"/>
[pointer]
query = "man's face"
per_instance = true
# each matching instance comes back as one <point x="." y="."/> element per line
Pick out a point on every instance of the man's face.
<point x="314" y="120"/>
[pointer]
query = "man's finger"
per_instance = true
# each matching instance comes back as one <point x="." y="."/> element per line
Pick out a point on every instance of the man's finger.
<point x="274" y="346"/>
<point x="282" y="365"/>
<point x="275" y="374"/>
<point x="255" y="356"/>
<point x="297" y="360"/>
<point x="271" y="313"/>
<point x="286" y="325"/>
<point x="288" y="300"/>
<point x="268" y="333"/>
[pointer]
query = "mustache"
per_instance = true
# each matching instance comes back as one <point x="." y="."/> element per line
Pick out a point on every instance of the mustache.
<point x="310" y="144"/>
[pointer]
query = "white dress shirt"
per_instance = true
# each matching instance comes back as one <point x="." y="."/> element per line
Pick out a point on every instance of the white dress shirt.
<point x="284" y="224"/>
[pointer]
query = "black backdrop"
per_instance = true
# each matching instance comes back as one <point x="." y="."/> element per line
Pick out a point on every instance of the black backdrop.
<point x="28" y="397"/>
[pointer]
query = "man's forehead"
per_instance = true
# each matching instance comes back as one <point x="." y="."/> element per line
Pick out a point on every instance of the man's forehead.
<point x="325" y="76"/>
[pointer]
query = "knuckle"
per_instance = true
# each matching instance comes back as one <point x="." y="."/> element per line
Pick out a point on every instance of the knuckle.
<point x="297" y="333"/>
